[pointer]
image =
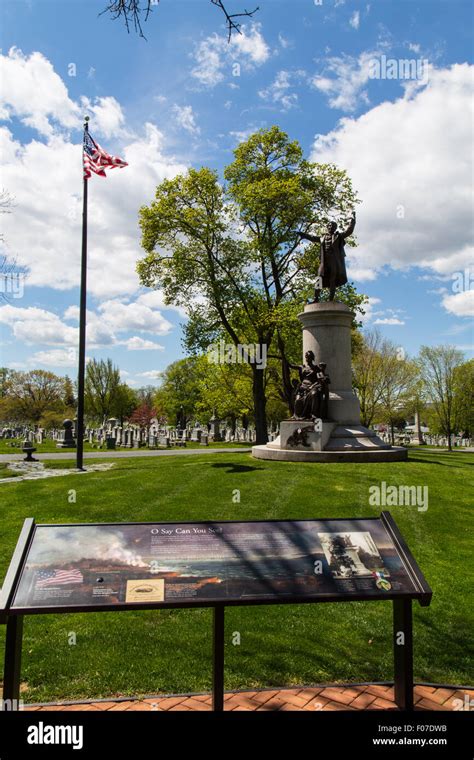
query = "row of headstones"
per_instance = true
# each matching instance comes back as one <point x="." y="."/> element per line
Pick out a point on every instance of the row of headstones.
<point x="135" y="436"/>
<point x="153" y="436"/>
<point x="429" y="439"/>
<point x="23" y="432"/>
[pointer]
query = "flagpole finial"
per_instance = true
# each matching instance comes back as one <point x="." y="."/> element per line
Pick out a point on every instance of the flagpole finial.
<point x="86" y="122"/>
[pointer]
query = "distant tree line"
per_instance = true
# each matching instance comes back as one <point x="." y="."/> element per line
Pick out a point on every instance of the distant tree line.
<point x="438" y="384"/>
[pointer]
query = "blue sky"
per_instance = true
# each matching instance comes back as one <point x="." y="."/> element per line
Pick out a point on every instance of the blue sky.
<point x="185" y="97"/>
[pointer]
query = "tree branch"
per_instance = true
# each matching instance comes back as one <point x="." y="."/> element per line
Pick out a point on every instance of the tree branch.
<point x="231" y="24"/>
<point x="131" y="10"/>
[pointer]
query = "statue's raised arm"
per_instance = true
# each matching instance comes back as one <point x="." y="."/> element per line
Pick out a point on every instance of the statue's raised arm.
<point x="350" y="228"/>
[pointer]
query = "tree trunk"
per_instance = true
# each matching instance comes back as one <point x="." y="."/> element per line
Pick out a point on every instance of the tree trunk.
<point x="450" y="448"/>
<point x="392" y="434"/>
<point x="288" y="394"/>
<point x="259" y="405"/>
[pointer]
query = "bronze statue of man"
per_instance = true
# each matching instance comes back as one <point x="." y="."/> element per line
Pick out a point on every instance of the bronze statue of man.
<point x="332" y="268"/>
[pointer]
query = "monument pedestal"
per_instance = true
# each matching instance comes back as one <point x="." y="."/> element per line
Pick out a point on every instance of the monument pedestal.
<point x="327" y="333"/>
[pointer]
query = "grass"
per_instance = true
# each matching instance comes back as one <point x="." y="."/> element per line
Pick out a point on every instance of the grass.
<point x="6" y="473"/>
<point x="170" y="651"/>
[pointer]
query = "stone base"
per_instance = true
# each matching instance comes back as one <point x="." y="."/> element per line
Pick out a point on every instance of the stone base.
<point x="299" y="442"/>
<point x="302" y="435"/>
<point x="355" y="437"/>
<point x="394" y="454"/>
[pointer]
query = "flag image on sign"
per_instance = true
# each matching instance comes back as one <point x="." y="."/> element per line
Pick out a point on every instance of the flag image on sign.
<point x="47" y="578"/>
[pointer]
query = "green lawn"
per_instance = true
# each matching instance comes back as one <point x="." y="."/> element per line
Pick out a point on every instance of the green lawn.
<point x="170" y="651"/>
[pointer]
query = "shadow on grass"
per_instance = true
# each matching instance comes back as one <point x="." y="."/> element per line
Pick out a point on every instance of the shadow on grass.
<point x="233" y="468"/>
<point x="441" y="464"/>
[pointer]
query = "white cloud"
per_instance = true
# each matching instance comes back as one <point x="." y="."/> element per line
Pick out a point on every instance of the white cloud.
<point x="208" y="57"/>
<point x="155" y="300"/>
<point x="404" y="159"/>
<point x="186" y="119"/>
<point x="279" y="91"/>
<point x="214" y="53"/>
<point x="344" y="79"/>
<point x="284" y="42"/>
<point x="33" y="326"/>
<point x="354" y="20"/>
<point x="460" y="304"/>
<point x="389" y="321"/>
<point x="107" y="116"/>
<point x="33" y="92"/>
<point x="105" y="327"/>
<point x="242" y="135"/>
<point x="153" y="374"/>
<point x="119" y="316"/>
<point x="44" y="232"/>
<point x="369" y="309"/>
<point x="140" y="344"/>
<point x="251" y="45"/>
<point x="56" y="357"/>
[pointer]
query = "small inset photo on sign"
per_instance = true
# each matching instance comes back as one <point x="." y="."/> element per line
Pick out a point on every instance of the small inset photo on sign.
<point x="351" y="555"/>
<point x="148" y="590"/>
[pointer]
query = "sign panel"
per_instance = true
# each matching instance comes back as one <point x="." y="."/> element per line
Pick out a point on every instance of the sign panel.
<point x="68" y="566"/>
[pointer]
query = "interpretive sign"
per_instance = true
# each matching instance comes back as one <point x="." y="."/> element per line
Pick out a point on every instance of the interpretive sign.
<point x="118" y="566"/>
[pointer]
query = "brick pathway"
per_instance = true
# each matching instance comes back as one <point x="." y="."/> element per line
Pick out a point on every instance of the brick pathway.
<point x="365" y="697"/>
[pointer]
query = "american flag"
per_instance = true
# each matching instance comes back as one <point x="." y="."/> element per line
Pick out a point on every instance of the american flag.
<point x="96" y="159"/>
<point x="47" y="578"/>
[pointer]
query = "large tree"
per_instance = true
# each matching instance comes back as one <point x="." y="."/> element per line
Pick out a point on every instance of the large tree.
<point x="125" y="402"/>
<point x="399" y="388"/>
<point x="101" y="388"/>
<point x="29" y="395"/>
<point x="232" y="256"/>
<point x="438" y="365"/>
<point x="178" y="394"/>
<point x="464" y="398"/>
<point x="370" y="373"/>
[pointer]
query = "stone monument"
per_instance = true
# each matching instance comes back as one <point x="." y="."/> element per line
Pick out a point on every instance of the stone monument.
<point x="338" y="435"/>
<point x="67" y="441"/>
<point x="326" y="424"/>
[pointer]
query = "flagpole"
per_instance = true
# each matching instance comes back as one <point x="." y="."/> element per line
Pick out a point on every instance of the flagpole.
<point x="82" y="326"/>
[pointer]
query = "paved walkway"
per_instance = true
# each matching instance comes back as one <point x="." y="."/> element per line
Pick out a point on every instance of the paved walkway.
<point x="363" y="697"/>
<point x="125" y="454"/>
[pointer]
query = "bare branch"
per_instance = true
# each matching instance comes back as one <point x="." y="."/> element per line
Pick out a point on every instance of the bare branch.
<point x="131" y="10"/>
<point x="231" y="24"/>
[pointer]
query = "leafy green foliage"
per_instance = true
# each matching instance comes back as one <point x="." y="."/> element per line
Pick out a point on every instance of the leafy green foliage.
<point x="232" y="256"/>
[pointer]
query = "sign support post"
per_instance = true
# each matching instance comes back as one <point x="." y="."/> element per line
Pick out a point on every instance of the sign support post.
<point x="403" y="653"/>
<point x="12" y="666"/>
<point x="218" y="659"/>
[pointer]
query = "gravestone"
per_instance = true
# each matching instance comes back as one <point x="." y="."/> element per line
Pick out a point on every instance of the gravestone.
<point x="67" y="441"/>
